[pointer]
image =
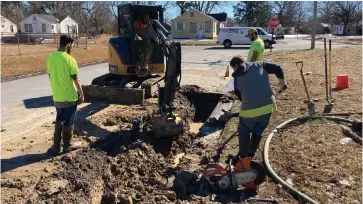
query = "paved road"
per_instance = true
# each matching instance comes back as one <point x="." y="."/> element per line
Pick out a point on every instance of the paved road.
<point x="35" y="90"/>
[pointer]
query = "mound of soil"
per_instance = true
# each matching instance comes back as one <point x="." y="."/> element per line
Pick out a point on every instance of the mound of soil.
<point x="128" y="166"/>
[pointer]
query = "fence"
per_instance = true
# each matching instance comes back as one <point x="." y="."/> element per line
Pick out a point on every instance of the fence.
<point x="81" y="40"/>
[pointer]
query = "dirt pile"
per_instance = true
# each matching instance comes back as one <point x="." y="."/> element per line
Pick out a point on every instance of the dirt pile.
<point x="128" y="166"/>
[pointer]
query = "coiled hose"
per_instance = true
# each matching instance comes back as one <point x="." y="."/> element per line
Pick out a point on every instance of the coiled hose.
<point x="269" y="169"/>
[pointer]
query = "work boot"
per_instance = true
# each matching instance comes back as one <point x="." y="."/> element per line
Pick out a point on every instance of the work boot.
<point x="57" y="137"/>
<point x="255" y="143"/>
<point x="244" y="143"/>
<point x="67" y="134"/>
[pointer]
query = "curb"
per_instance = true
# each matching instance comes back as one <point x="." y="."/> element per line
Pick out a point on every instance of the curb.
<point x="41" y="73"/>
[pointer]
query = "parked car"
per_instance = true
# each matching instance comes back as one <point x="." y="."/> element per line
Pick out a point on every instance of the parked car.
<point x="229" y="36"/>
<point x="280" y="35"/>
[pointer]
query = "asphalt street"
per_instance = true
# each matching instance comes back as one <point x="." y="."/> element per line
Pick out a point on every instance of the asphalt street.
<point x="36" y="90"/>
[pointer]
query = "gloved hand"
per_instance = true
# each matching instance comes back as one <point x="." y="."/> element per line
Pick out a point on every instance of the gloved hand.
<point x="220" y="150"/>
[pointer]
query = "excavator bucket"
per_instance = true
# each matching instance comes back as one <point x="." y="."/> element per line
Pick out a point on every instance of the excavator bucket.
<point x="166" y="126"/>
<point x="123" y="95"/>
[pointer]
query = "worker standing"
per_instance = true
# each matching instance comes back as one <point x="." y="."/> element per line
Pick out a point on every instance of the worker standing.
<point x="67" y="92"/>
<point x="252" y="87"/>
<point x="255" y="53"/>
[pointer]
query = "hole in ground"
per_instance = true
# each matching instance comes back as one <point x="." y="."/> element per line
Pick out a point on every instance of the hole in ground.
<point x="203" y="103"/>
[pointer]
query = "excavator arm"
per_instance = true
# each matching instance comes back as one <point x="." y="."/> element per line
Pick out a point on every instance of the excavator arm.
<point x="166" y="123"/>
<point x="172" y="51"/>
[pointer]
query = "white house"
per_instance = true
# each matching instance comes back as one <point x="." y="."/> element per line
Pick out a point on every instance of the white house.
<point x="338" y="29"/>
<point x="8" y="28"/>
<point x="68" y="25"/>
<point x="46" y="24"/>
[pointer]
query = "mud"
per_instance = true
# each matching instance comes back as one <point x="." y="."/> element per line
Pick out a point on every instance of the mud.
<point x="129" y="165"/>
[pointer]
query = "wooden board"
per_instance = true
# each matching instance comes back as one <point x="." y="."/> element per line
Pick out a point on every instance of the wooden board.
<point x="151" y="86"/>
<point x="113" y="94"/>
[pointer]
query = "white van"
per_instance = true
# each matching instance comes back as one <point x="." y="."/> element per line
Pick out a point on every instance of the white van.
<point x="229" y="36"/>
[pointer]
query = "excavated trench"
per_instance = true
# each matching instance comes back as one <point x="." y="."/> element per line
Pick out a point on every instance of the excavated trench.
<point x="130" y="165"/>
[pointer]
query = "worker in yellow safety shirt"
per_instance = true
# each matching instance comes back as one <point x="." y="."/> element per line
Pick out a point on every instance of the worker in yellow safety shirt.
<point x="255" y="54"/>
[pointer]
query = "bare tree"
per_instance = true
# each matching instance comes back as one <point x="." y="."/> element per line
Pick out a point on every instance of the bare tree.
<point x="15" y="11"/>
<point x="288" y="12"/>
<point x="326" y="10"/>
<point x="346" y="11"/>
<point x="208" y="6"/>
<point x="183" y="5"/>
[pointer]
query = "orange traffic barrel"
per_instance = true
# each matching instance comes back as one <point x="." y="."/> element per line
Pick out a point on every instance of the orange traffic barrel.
<point x="342" y="81"/>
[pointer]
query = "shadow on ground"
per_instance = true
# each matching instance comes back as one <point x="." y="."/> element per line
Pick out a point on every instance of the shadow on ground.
<point x="40" y="102"/>
<point x="223" y="48"/>
<point x="81" y="124"/>
<point x="19" y="161"/>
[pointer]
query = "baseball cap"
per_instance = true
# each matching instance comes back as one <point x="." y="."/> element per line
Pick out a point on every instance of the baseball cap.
<point x="252" y="30"/>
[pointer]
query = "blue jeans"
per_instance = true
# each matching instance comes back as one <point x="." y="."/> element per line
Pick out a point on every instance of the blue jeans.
<point x="255" y="125"/>
<point x="248" y="144"/>
<point x="66" y="116"/>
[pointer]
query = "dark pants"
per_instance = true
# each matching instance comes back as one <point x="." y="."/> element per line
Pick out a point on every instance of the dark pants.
<point x="248" y="144"/>
<point x="66" y="116"/>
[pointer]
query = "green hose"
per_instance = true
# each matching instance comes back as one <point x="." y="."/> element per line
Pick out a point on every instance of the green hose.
<point x="289" y="188"/>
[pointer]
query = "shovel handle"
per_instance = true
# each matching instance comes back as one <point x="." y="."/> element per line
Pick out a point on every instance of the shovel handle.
<point x="299" y="65"/>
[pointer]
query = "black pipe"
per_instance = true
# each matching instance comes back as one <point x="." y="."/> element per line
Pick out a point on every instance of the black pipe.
<point x="326" y="72"/>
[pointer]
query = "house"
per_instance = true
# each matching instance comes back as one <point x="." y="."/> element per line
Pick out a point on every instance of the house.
<point x="8" y="28"/>
<point x="353" y="29"/>
<point x="338" y="29"/>
<point x="321" y="28"/>
<point x="48" y="24"/>
<point x="195" y="24"/>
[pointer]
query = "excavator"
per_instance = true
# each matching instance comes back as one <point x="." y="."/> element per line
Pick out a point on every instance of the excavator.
<point x="164" y="67"/>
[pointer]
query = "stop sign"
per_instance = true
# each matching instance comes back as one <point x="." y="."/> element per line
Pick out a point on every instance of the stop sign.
<point x="274" y="22"/>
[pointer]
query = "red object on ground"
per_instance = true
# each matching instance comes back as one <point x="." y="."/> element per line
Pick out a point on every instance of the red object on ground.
<point x="342" y="81"/>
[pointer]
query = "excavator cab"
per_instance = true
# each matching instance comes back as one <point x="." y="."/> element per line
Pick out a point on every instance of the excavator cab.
<point x="123" y="49"/>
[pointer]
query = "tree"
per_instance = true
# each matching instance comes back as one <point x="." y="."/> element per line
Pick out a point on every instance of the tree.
<point x="326" y="10"/>
<point x="287" y="12"/>
<point x="183" y="6"/>
<point x="253" y="13"/>
<point x="15" y="11"/>
<point x="346" y="11"/>
<point x="207" y="6"/>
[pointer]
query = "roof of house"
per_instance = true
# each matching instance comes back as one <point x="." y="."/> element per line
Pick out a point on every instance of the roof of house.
<point x="195" y="10"/>
<point x="49" y="18"/>
<point x="221" y="17"/>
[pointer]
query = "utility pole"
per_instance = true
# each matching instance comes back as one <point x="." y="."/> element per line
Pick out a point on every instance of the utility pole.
<point x="313" y="29"/>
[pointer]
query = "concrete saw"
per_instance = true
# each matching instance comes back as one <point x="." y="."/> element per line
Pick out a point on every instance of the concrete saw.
<point x="246" y="173"/>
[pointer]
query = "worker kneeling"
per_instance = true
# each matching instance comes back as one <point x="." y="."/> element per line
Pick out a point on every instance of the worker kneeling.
<point x="252" y="87"/>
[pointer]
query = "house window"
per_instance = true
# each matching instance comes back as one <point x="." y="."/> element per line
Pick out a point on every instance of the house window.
<point x="191" y="14"/>
<point x="208" y="27"/>
<point x="11" y="28"/>
<point x="180" y="25"/>
<point x="3" y="26"/>
<point x="193" y="27"/>
<point x="28" y="28"/>
<point x="52" y="27"/>
<point x="44" y="29"/>
<point x="34" y="18"/>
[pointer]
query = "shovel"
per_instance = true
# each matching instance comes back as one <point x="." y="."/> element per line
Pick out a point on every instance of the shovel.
<point x="311" y="105"/>
<point x="329" y="106"/>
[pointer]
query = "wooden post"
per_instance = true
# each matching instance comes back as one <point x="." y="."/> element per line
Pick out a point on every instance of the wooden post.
<point x="18" y="42"/>
<point x="86" y="39"/>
